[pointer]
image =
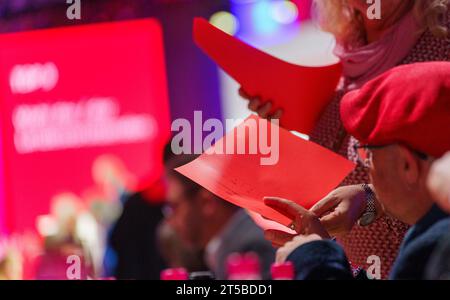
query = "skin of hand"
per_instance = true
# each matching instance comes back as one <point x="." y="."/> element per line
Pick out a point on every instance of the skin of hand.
<point x="256" y="104"/>
<point x="439" y="182"/>
<point x="304" y="222"/>
<point x="340" y="210"/>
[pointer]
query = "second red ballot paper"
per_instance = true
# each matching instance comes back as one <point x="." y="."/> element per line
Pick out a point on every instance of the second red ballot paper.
<point x="294" y="168"/>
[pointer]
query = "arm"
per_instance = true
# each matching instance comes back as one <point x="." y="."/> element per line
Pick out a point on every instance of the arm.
<point x="415" y="255"/>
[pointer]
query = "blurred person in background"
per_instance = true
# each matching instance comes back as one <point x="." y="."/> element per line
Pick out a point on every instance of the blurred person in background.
<point x="11" y="260"/>
<point x="56" y="263"/>
<point x="19" y="253"/>
<point x="134" y="237"/>
<point x="207" y="223"/>
<point x="401" y="119"/>
<point x="409" y="31"/>
<point x="67" y="231"/>
<point x="175" y="253"/>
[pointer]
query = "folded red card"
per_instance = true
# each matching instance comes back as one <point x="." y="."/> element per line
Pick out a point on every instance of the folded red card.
<point x="294" y="168"/>
<point x="302" y="92"/>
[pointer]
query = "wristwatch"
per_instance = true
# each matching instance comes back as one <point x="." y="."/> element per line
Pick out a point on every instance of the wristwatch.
<point x="370" y="214"/>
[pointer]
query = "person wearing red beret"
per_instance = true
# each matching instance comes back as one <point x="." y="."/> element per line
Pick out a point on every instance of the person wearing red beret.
<point x="409" y="31"/>
<point x="401" y="120"/>
<point x="439" y="182"/>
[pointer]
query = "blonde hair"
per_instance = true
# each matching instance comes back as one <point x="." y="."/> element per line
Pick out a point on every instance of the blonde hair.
<point x="346" y="24"/>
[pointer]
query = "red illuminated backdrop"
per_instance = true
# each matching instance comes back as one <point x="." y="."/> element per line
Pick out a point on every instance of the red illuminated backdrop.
<point x="70" y="95"/>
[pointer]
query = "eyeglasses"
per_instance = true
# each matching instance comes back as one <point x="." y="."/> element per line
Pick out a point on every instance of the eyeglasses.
<point x="364" y="153"/>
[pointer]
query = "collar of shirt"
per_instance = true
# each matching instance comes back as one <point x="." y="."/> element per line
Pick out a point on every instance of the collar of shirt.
<point x="434" y="215"/>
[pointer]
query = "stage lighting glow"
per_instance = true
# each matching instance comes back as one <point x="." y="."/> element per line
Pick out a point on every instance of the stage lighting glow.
<point x="284" y="12"/>
<point x="244" y="1"/>
<point x="47" y="225"/>
<point x="262" y="19"/>
<point x="86" y="228"/>
<point x="225" y="21"/>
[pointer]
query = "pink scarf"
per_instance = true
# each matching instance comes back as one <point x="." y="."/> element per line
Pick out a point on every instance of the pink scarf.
<point x="364" y="63"/>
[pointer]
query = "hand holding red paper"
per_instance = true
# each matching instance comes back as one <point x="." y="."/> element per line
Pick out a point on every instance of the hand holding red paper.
<point x="341" y="209"/>
<point x="263" y="109"/>
<point x="301" y="92"/>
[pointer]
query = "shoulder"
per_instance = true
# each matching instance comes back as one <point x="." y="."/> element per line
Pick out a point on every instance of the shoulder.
<point x="429" y="238"/>
<point x="438" y="229"/>
<point x="415" y="255"/>
<point x="439" y="264"/>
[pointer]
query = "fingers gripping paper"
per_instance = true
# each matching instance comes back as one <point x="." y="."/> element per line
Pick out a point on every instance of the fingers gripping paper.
<point x="302" y="171"/>
<point x="302" y="92"/>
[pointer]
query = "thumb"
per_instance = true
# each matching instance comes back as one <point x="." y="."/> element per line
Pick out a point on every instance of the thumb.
<point x="332" y="221"/>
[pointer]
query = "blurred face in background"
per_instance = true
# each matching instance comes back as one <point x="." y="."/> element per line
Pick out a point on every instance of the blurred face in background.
<point x="195" y="213"/>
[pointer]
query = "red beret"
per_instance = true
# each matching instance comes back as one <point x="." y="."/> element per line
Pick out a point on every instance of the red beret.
<point x="409" y="104"/>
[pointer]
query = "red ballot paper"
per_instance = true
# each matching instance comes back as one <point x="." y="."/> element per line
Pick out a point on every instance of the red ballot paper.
<point x="300" y="170"/>
<point x="302" y="92"/>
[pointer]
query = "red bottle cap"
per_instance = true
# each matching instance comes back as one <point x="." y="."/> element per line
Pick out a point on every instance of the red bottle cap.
<point x="243" y="266"/>
<point x="174" y="274"/>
